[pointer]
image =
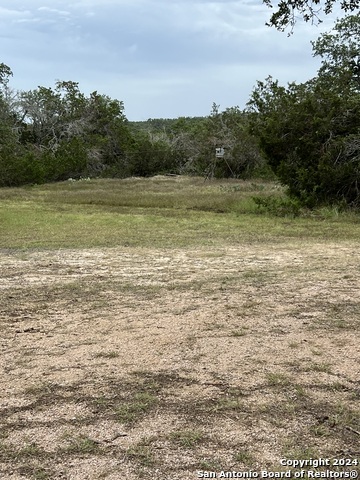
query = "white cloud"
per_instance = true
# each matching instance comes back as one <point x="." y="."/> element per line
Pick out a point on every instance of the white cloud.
<point x="6" y="13"/>
<point x="162" y="57"/>
<point x="54" y="10"/>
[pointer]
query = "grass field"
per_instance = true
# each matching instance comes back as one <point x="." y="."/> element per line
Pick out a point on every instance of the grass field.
<point x="161" y="212"/>
<point x="166" y="328"/>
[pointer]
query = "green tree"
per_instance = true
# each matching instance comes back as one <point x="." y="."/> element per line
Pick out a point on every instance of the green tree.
<point x="53" y="115"/>
<point x="50" y="134"/>
<point x="228" y="129"/>
<point x="311" y="132"/>
<point x="74" y="134"/>
<point x="287" y="12"/>
<point x="340" y="54"/>
<point x="107" y="132"/>
<point x="10" y="148"/>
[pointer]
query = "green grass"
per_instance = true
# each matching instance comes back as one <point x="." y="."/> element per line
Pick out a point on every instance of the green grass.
<point x="161" y="212"/>
<point x="140" y="404"/>
<point x="81" y="445"/>
<point x="277" y="379"/>
<point x="187" y="438"/>
<point x="141" y="454"/>
<point x="244" y="457"/>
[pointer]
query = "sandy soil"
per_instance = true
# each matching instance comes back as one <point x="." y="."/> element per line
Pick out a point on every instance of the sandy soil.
<point x="126" y="363"/>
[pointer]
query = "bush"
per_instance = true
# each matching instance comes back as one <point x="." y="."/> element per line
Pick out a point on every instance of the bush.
<point x="310" y="137"/>
<point x="279" y="207"/>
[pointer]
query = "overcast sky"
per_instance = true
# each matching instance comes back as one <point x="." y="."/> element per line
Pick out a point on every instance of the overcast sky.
<point x="163" y="58"/>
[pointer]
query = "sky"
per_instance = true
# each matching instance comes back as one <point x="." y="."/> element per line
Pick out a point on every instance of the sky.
<point x="162" y="58"/>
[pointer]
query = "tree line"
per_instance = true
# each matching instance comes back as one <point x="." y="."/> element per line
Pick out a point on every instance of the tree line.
<point x="306" y="134"/>
<point x="51" y="134"/>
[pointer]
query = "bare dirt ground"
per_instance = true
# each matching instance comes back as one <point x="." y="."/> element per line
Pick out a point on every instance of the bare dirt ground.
<point x="126" y="363"/>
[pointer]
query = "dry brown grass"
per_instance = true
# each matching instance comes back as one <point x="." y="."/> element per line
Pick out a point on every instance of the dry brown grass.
<point x="123" y="363"/>
<point x="143" y="362"/>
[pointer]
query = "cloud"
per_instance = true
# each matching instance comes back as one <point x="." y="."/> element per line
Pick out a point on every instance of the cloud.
<point x="9" y="14"/>
<point x="160" y="56"/>
<point x="53" y="10"/>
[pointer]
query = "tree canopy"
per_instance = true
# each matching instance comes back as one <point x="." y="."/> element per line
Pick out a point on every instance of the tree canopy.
<point x="310" y="132"/>
<point x="288" y="12"/>
<point x="53" y="133"/>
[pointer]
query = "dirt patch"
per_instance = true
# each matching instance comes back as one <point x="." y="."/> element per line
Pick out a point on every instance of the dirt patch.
<point x="129" y="363"/>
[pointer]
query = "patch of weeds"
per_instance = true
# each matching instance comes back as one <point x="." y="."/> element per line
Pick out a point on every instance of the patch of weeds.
<point x="104" y="402"/>
<point x="141" y="292"/>
<point x="250" y="304"/>
<point x="338" y="387"/>
<point x="342" y="316"/>
<point x="187" y="438"/>
<point x="3" y="435"/>
<point x="142" y="453"/>
<point x="111" y="354"/>
<point x="152" y="387"/>
<point x="228" y="404"/>
<point x="331" y="211"/>
<point x="29" y="352"/>
<point x="355" y="395"/>
<point x="210" y="464"/>
<point x="191" y="340"/>
<point x="237" y="333"/>
<point x="256" y="277"/>
<point x="244" y="457"/>
<point x="230" y="188"/>
<point x="31" y="450"/>
<point x="332" y="423"/>
<point x="317" y="353"/>
<point x="300" y="392"/>
<point x="106" y="473"/>
<point x="24" y="363"/>
<point x="49" y="393"/>
<point x="278" y="412"/>
<point x="320" y="430"/>
<point x="340" y="323"/>
<point x="278" y="206"/>
<point x="277" y="380"/>
<point x="333" y="322"/>
<point x="42" y="474"/>
<point x="318" y="367"/>
<point x="345" y="416"/>
<point x="214" y="326"/>
<point x="140" y="404"/>
<point x="258" y="187"/>
<point x="300" y="453"/>
<point x="155" y="382"/>
<point x="340" y="342"/>
<point x="81" y="445"/>
<point x="236" y="392"/>
<point x="6" y="452"/>
<point x="36" y="473"/>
